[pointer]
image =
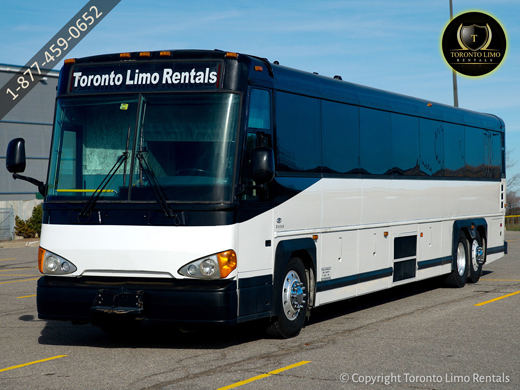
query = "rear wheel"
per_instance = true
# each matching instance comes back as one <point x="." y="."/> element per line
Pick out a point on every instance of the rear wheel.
<point x="293" y="296"/>
<point x="477" y="259"/>
<point x="458" y="276"/>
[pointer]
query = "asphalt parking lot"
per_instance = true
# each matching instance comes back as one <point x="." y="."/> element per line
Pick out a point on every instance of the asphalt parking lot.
<point x="419" y="336"/>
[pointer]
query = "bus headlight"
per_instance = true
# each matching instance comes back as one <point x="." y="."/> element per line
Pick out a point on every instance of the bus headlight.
<point x="51" y="264"/>
<point x="216" y="266"/>
<point x="208" y="267"/>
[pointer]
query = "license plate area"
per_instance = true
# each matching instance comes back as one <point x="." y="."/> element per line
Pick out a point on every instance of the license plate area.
<point x="124" y="303"/>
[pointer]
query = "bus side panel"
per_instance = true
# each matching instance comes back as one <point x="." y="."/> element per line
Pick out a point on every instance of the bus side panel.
<point x="338" y="266"/>
<point x="375" y="265"/>
<point x="495" y="239"/>
<point x="255" y="253"/>
<point x="255" y="250"/>
<point x="430" y="199"/>
<point x="343" y="202"/>
<point x="353" y="201"/>
<point x="303" y="211"/>
<point x="432" y="250"/>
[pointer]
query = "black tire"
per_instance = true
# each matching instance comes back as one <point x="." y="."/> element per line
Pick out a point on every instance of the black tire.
<point x="458" y="276"/>
<point x="293" y="310"/>
<point x="475" y="269"/>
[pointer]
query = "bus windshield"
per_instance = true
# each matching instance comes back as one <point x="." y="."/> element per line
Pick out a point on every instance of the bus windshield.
<point x="184" y="143"/>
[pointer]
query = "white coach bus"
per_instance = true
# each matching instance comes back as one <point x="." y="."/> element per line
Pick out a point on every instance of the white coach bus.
<point x="212" y="187"/>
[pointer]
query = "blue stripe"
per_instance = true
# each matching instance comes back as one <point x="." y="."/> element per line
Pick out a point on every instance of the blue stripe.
<point x="353" y="279"/>
<point x="434" y="262"/>
<point x="496" y="249"/>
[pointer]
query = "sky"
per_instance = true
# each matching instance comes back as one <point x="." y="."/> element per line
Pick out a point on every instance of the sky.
<point x="390" y="45"/>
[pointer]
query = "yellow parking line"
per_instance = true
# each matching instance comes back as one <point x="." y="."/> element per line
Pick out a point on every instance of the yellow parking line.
<point x="14" y="258"/>
<point x="16" y="281"/>
<point x="497" y="299"/>
<point x="7" y="275"/>
<point x="501" y="280"/>
<point x="17" y="269"/>
<point x="28" y="364"/>
<point x="255" y="378"/>
<point x="26" y="296"/>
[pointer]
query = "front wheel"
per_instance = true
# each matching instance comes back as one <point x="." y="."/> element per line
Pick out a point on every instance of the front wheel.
<point x="458" y="276"/>
<point x="292" y="295"/>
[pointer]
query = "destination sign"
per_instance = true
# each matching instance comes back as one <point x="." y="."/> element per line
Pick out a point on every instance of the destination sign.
<point x="161" y="76"/>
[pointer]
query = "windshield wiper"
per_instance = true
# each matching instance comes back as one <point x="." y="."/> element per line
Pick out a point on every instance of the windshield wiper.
<point x="126" y="151"/>
<point x="85" y="212"/>
<point x="157" y="190"/>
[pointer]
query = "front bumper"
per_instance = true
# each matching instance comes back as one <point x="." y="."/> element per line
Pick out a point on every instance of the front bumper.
<point x="179" y="301"/>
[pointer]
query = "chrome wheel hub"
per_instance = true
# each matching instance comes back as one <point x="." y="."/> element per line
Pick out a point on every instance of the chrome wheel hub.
<point x="293" y="294"/>
<point x="477" y="255"/>
<point x="461" y="259"/>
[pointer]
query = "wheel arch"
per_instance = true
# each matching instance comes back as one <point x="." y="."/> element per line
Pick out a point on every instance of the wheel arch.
<point x="482" y="230"/>
<point x="304" y="248"/>
<point x="469" y="227"/>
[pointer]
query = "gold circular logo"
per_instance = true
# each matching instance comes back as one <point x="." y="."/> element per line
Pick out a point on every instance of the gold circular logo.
<point x="474" y="44"/>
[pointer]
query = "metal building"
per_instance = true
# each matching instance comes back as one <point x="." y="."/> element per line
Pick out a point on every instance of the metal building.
<point x="31" y="119"/>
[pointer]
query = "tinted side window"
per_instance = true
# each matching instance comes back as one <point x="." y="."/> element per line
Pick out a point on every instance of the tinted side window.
<point x="475" y="141"/>
<point x="454" y="158"/>
<point x="496" y="155"/>
<point x="298" y="133"/>
<point x="405" y="144"/>
<point x="340" y="128"/>
<point x="259" y="109"/>
<point x="376" y="141"/>
<point x="431" y="147"/>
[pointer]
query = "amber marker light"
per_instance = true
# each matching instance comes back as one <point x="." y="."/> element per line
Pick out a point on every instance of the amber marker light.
<point x="227" y="262"/>
<point x="41" y="256"/>
<point x="165" y="53"/>
<point x="258" y="68"/>
<point x="144" y="54"/>
<point x="69" y="61"/>
<point x="124" y="55"/>
<point x="232" y="55"/>
<point x="429" y="105"/>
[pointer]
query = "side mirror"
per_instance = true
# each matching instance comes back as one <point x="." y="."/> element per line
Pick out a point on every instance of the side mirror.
<point x="262" y="160"/>
<point x="15" y="163"/>
<point x="15" y="158"/>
